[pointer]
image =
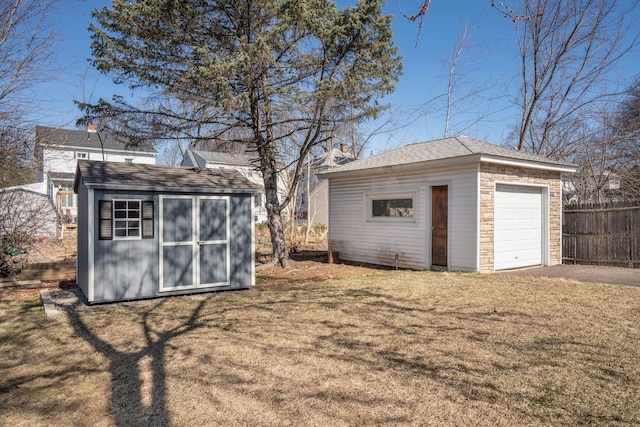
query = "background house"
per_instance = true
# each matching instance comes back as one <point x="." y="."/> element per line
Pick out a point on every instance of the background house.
<point x="312" y="201"/>
<point x="246" y="166"/>
<point x="58" y="150"/>
<point x="149" y="231"/>
<point x="455" y="204"/>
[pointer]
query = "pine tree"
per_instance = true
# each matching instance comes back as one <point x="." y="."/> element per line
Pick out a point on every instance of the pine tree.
<point x="268" y="72"/>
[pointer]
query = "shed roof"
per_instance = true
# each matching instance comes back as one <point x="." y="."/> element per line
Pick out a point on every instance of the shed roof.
<point x="453" y="150"/>
<point x="143" y="177"/>
<point x="53" y="137"/>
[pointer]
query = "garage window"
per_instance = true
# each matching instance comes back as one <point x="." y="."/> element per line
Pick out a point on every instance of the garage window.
<point x="391" y="207"/>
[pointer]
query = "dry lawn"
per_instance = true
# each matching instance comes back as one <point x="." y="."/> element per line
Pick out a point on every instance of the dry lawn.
<point x="391" y="348"/>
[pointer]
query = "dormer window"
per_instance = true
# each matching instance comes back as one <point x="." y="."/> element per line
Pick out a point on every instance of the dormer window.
<point x="82" y="155"/>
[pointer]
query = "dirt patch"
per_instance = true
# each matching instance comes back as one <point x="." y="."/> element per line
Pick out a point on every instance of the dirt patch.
<point x="308" y="264"/>
<point x="52" y="250"/>
<point x="309" y="270"/>
<point x="68" y="298"/>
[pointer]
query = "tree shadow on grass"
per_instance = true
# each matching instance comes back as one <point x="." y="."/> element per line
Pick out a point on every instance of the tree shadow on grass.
<point x="127" y="404"/>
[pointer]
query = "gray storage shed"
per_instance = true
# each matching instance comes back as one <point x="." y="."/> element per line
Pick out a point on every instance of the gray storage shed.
<point x="147" y="231"/>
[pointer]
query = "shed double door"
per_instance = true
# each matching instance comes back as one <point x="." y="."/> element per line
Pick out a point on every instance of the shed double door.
<point x="194" y="242"/>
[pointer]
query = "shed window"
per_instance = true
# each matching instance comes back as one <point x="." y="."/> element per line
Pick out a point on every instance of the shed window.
<point x="125" y="219"/>
<point x="126" y="215"/>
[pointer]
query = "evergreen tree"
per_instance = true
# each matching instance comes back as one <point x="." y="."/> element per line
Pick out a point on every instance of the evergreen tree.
<point x="271" y="73"/>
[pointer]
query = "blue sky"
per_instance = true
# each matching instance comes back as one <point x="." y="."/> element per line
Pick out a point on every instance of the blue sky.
<point x="490" y="59"/>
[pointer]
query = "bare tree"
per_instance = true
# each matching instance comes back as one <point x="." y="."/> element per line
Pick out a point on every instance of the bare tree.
<point x="464" y="102"/>
<point x="26" y="42"/>
<point x="566" y="49"/>
<point x="627" y="123"/>
<point x="628" y="119"/>
<point x="608" y="156"/>
<point x="597" y="156"/>
<point x="25" y="57"/>
<point x="418" y="16"/>
<point x="16" y="153"/>
<point x="25" y="47"/>
<point x="24" y="216"/>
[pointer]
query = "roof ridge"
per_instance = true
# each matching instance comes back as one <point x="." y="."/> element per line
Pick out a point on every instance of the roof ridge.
<point x="457" y="138"/>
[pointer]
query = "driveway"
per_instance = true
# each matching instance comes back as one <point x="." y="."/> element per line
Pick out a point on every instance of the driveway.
<point x="583" y="273"/>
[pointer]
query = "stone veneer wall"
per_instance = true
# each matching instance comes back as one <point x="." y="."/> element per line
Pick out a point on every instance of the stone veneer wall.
<point x="489" y="174"/>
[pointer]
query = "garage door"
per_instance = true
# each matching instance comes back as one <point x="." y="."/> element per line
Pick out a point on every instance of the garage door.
<point x="518" y="227"/>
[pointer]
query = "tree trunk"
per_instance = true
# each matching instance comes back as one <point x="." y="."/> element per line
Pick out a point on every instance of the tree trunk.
<point x="306" y="234"/>
<point x="274" y="218"/>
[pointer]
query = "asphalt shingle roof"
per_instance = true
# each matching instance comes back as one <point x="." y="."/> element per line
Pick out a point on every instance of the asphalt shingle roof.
<point x="440" y="149"/>
<point x="224" y="158"/>
<point x="96" y="174"/>
<point x="82" y="138"/>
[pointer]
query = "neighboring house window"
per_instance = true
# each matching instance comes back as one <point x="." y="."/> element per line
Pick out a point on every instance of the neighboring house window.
<point x="125" y="219"/>
<point x="395" y="207"/>
<point x="66" y="197"/>
<point x="128" y="160"/>
<point x="258" y="202"/>
<point x="81" y="155"/>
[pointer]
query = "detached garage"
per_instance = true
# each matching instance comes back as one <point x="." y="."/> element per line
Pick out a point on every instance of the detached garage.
<point x="455" y="204"/>
<point x="148" y="231"/>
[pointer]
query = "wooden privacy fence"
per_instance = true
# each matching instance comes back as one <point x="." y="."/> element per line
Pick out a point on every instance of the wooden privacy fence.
<point x="604" y="234"/>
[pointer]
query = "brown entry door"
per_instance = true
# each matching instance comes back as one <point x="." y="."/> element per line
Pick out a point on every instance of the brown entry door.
<point x="439" y="225"/>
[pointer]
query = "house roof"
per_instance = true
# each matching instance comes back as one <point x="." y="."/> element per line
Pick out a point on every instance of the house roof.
<point x="332" y="158"/>
<point x="67" y="138"/>
<point x="447" y="151"/>
<point x="143" y="177"/>
<point x="201" y="158"/>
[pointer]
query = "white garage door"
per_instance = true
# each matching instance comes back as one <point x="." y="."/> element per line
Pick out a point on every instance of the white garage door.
<point x="518" y="227"/>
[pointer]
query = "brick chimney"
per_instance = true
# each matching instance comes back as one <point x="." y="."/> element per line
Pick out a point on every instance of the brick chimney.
<point x="92" y="128"/>
<point x="343" y="147"/>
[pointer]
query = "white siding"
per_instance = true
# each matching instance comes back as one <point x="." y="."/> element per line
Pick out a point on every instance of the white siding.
<point x="27" y="213"/>
<point x="64" y="160"/>
<point x="260" y="214"/>
<point x="357" y="239"/>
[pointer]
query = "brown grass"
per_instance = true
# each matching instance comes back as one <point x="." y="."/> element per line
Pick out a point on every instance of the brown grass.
<point x="402" y="348"/>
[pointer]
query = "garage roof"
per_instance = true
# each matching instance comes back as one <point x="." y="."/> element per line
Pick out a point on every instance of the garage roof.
<point x="447" y="151"/>
<point x="143" y="177"/>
